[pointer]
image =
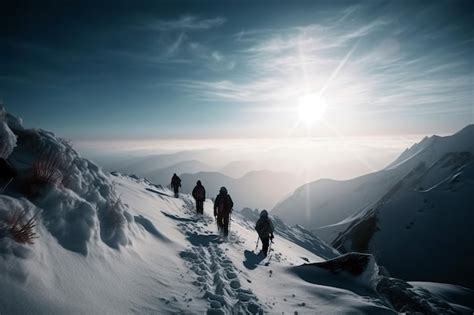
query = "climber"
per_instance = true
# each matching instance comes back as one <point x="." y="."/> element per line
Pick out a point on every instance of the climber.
<point x="264" y="228"/>
<point x="222" y="209"/>
<point x="199" y="194"/>
<point x="175" y="183"/>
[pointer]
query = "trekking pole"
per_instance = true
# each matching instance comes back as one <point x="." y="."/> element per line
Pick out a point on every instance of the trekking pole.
<point x="256" y="246"/>
<point x="230" y="221"/>
<point x="269" y="252"/>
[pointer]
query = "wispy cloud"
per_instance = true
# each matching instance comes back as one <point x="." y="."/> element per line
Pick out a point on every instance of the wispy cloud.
<point x="176" y="36"/>
<point x="211" y="58"/>
<point x="386" y="72"/>
<point x="176" y="41"/>
<point x="187" y="22"/>
<point x="174" y="47"/>
<point x="264" y="90"/>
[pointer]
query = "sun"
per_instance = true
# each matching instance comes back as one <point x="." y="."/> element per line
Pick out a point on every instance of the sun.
<point x="311" y="108"/>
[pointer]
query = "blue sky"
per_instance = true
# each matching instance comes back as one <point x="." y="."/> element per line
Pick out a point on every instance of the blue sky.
<point x="236" y="69"/>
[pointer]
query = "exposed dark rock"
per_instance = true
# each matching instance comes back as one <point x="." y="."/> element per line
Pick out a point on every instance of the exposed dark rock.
<point x="354" y="263"/>
<point x="405" y="298"/>
<point x="360" y="235"/>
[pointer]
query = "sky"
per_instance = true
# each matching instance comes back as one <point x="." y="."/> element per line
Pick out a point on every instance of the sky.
<point x="130" y="70"/>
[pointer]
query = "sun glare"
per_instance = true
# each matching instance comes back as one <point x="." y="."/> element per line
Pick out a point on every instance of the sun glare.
<point x="311" y="108"/>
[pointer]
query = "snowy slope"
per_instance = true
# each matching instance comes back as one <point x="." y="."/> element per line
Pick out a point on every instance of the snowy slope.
<point x="327" y="202"/>
<point x="424" y="198"/>
<point x="114" y="244"/>
<point x="431" y="214"/>
<point x="176" y="262"/>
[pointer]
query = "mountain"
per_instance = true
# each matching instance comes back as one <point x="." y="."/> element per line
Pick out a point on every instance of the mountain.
<point x="162" y="176"/>
<point x="327" y="201"/>
<point x="418" y="208"/>
<point x="76" y="240"/>
<point x="431" y="213"/>
<point x="257" y="189"/>
<point x="238" y="169"/>
<point x="144" y="165"/>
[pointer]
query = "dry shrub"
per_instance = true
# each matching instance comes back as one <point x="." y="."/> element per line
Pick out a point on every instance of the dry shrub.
<point x="22" y="229"/>
<point x="50" y="168"/>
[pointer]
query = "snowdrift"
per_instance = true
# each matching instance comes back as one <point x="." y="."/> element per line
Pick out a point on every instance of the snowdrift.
<point x="73" y="194"/>
<point x="360" y="274"/>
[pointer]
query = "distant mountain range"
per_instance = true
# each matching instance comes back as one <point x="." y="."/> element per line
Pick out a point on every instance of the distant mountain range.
<point x="148" y="164"/>
<point x="163" y="175"/>
<point x="258" y="189"/>
<point x="419" y="209"/>
<point x="248" y="187"/>
<point x="238" y="169"/>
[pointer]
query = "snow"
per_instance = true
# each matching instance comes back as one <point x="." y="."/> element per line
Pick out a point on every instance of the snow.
<point x="8" y="138"/>
<point x="432" y="225"/>
<point x="114" y="244"/>
<point x="456" y="296"/>
<point x="412" y="152"/>
<point x="84" y="199"/>
<point x="325" y="203"/>
<point x="423" y="198"/>
<point x="57" y="280"/>
<point x="174" y="262"/>
<point x="431" y="149"/>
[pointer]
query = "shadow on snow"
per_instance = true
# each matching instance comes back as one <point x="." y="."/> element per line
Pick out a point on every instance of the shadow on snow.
<point x="252" y="260"/>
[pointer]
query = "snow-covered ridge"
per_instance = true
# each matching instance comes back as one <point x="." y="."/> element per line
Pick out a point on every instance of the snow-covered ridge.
<point x="434" y="147"/>
<point x="424" y="198"/>
<point x="117" y="244"/>
<point x="430" y="211"/>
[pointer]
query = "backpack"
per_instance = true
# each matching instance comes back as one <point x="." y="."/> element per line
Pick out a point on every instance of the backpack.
<point x="224" y="203"/>
<point x="263" y="227"/>
<point x="199" y="192"/>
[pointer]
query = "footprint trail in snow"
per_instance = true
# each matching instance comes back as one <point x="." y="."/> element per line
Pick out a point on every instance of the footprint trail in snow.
<point x="217" y="276"/>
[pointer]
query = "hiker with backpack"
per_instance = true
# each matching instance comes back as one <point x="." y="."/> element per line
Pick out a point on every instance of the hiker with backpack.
<point x="199" y="194"/>
<point x="222" y="209"/>
<point x="264" y="228"/>
<point x="176" y="183"/>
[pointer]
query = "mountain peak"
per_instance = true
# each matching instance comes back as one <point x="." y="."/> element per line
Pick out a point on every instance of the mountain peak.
<point x="468" y="130"/>
<point x="433" y="147"/>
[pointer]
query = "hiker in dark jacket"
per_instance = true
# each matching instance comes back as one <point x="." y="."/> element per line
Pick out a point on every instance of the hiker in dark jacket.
<point x="222" y="209"/>
<point x="264" y="228"/>
<point x="175" y="183"/>
<point x="199" y="194"/>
